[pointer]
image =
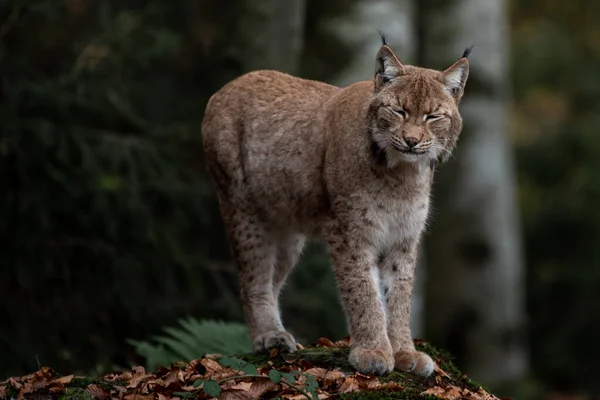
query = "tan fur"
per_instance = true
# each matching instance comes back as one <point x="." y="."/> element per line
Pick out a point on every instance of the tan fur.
<point x="294" y="159"/>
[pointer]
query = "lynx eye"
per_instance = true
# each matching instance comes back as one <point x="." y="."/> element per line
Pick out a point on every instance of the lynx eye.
<point x="400" y="112"/>
<point x="433" y="117"/>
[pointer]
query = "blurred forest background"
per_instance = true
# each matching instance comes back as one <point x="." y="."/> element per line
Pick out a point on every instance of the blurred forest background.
<point x="111" y="230"/>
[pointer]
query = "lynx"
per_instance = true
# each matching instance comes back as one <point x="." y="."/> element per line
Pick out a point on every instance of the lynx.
<point x="295" y="159"/>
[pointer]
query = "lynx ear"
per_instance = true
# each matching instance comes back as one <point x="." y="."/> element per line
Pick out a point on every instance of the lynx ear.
<point x="387" y="68"/>
<point x="455" y="78"/>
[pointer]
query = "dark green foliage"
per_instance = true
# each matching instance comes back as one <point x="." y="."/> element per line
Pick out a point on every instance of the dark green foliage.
<point x="111" y="228"/>
<point x="107" y="202"/>
<point x="557" y="93"/>
<point x="192" y="340"/>
<point x="212" y="388"/>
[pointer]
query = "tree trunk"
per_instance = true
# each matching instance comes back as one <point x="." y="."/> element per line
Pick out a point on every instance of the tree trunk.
<point x="475" y="299"/>
<point x="274" y="34"/>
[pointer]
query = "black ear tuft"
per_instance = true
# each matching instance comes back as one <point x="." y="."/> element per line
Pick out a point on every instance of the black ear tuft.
<point x="383" y="38"/>
<point x="468" y="51"/>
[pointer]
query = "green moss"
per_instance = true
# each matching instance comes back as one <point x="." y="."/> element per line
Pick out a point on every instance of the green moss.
<point x="76" y="393"/>
<point x="322" y="356"/>
<point x="319" y="356"/>
<point x="386" y="394"/>
<point x="412" y="385"/>
<point x="444" y="361"/>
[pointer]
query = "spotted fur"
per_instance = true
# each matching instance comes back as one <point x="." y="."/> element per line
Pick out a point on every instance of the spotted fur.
<point x="294" y="159"/>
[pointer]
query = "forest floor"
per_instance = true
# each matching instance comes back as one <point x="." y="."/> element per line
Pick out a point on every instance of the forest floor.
<point x="319" y="371"/>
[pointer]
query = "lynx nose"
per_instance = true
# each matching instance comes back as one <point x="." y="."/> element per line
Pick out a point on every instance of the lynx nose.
<point x="411" y="141"/>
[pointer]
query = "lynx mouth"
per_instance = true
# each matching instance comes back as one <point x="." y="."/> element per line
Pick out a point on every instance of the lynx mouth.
<point x="405" y="150"/>
<point x="413" y="151"/>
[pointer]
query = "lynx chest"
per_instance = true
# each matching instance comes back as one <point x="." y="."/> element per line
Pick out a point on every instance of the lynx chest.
<point x="393" y="219"/>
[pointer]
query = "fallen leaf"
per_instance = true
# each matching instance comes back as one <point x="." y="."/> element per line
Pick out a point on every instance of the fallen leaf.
<point x="349" y="385"/>
<point x="391" y="386"/>
<point x="450" y="392"/>
<point x="440" y="371"/>
<point x="56" y="388"/>
<point x="137" y="396"/>
<point x="434" y="391"/>
<point x="260" y="387"/>
<point x="324" y="342"/>
<point x="216" y="371"/>
<point x="317" y="372"/>
<point x="245" y="386"/>
<point x="14" y="382"/>
<point x="137" y="379"/>
<point x="97" y="392"/>
<point x="479" y="395"/>
<point x="366" y="382"/>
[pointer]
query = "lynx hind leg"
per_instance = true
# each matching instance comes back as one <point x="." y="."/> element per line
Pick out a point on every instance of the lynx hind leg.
<point x="256" y="254"/>
<point x="289" y="250"/>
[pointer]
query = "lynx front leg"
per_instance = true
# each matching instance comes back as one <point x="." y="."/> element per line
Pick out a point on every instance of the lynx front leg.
<point x="397" y="280"/>
<point x="355" y="271"/>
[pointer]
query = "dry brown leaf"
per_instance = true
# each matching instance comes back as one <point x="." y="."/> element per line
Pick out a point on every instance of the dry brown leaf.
<point x="349" y="385"/>
<point x="123" y="376"/>
<point x="273" y="353"/>
<point x="260" y="387"/>
<point x="97" y="392"/>
<point x="440" y="371"/>
<point x="317" y="372"/>
<point x="391" y="386"/>
<point x="211" y="365"/>
<point x="64" y="380"/>
<point x="174" y="376"/>
<point x="56" y="388"/>
<point x="324" y="342"/>
<point x="434" y="391"/>
<point x="345" y="342"/>
<point x="15" y="383"/>
<point x="137" y="379"/>
<point x="366" y="382"/>
<point x="137" y="396"/>
<point x="322" y="396"/>
<point x="216" y="371"/>
<point x="248" y="390"/>
<point x="245" y="386"/>
<point x="479" y="395"/>
<point x="450" y="392"/>
<point x="234" y="395"/>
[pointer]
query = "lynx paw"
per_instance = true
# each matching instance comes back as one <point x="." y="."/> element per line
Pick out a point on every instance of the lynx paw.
<point x="371" y="361"/>
<point x="413" y="361"/>
<point x="275" y="339"/>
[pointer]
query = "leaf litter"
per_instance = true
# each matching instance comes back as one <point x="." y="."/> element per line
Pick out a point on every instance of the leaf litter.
<point x="231" y="378"/>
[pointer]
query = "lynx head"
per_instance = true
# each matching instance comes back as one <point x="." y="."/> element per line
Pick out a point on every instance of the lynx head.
<point x="413" y="116"/>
